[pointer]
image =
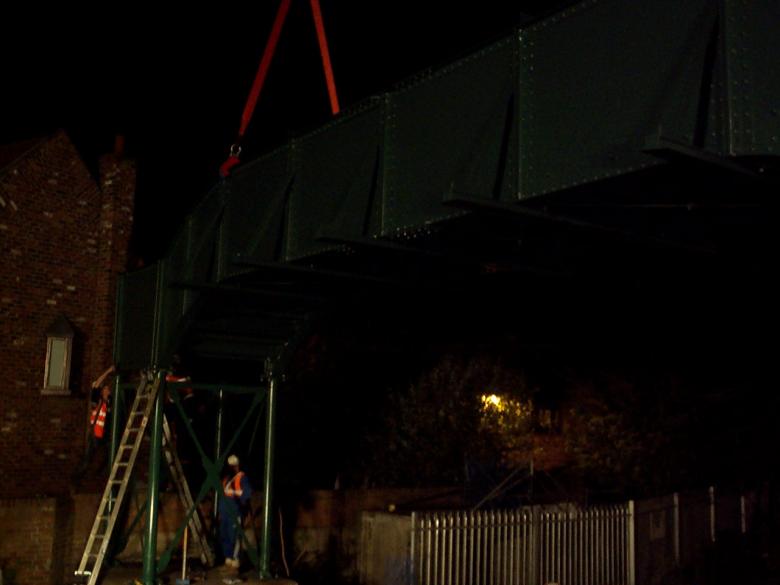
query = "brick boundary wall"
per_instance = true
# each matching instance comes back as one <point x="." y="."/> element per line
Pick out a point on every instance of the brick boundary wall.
<point x="27" y="539"/>
<point x="42" y="539"/>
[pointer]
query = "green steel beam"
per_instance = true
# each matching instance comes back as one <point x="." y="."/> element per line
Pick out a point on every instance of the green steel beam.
<point x="119" y="310"/>
<point x="673" y="150"/>
<point x="379" y="245"/>
<point x="219" y="388"/>
<point x="158" y="314"/>
<point x="529" y="213"/>
<point x="116" y="417"/>
<point x="218" y="441"/>
<point x="255" y="292"/>
<point x="153" y="493"/>
<point x="317" y="273"/>
<point x="226" y="357"/>
<point x="116" y="431"/>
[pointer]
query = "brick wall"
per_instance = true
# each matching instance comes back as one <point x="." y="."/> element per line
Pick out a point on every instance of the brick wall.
<point x="63" y="238"/>
<point x="42" y="539"/>
<point x="328" y="522"/>
<point x="27" y="538"/>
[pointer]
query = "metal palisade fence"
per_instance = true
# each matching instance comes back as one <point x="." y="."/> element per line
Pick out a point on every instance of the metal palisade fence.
<point x="643" y="542"/>
<point x="534" y="545"/>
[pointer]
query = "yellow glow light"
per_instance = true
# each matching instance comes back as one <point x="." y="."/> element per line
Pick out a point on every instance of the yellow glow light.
<point x="489" y="400"/>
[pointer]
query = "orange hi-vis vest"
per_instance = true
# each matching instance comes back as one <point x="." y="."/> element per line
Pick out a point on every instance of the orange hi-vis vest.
<point x="98" y="419"/>
<point x="172" y="378"/>
<point x="232" y="487"/>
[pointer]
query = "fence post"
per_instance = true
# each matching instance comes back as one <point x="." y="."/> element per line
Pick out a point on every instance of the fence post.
<point x="712" y="513"/>
<point x="413" y="523"/>
<point x="532" y="541"/>
<point x="676" y="527"/>
<point x="742" y="514"/>
<point x="631" y="529"/>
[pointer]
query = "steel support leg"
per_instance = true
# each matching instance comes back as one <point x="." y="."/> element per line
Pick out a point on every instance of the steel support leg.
<point x="116" y="418"/>
<point x="218" y="444"/>
<point x="153" y="509"/>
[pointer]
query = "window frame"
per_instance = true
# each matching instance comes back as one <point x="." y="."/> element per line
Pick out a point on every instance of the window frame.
<point x="64" y="389"/>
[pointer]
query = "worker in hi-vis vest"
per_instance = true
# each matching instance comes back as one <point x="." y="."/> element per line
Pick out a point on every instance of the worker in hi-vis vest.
<point x="97" y="419"/>
<point x="99" y="414"/>
<point x="96" y="452"/>
<point x="233" y="507"/>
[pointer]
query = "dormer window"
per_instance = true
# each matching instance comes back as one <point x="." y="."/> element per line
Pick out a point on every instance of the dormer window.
<point x="59" y="345"/>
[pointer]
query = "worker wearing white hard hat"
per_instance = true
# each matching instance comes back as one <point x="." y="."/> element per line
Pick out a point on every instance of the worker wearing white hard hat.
<point x="233" y="507"/>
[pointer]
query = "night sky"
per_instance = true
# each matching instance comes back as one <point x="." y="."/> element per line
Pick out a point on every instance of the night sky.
<point x="175" y="82"/>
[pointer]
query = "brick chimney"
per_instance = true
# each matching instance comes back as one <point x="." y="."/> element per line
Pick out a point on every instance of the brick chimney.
<point x="117" y="190"/>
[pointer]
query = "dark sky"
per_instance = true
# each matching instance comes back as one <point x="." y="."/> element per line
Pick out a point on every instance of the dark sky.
<point x="174" y="82"/>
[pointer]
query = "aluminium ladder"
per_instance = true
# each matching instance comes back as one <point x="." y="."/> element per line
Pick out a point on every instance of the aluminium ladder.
<point x="177" y="474"/>
<point x="121" y="472"/>
<point x="118" y="480"/>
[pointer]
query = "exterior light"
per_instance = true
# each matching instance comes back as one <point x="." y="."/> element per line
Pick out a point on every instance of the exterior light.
<point x="491" y="401"/>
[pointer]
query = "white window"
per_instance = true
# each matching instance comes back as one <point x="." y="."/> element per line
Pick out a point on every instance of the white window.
<point x="59" y="345"/>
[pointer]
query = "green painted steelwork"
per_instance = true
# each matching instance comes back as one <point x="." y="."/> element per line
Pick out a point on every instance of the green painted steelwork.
<point x="601" y="77"/>
<point x="116" y="420"/>
<point x="218" y="441"/>
<point x="137" y="293"/>
<point x="751" y="77"/>
<point x="153" y="489"/>
<point x="569" y="101"/>
<point x="213" y="480"/>
<point x="218" y="388"/>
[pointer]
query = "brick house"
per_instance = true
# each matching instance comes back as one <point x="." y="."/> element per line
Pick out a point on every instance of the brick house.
<point x="63" y="239"/>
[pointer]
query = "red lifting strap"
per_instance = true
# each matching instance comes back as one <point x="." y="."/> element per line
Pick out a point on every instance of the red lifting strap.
<point x="326" y="66"/>
<point x="265" y="62"/>
<point x="262" y="71"/>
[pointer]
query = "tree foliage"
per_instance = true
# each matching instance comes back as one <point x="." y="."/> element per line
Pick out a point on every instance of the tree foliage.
<point x="441" y="421"/>
<point x="639" y="431"/>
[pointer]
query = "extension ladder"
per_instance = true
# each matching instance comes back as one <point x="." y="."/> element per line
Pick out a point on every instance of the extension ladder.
<point x="177" y="474"/>
<point x="119" y="478"/>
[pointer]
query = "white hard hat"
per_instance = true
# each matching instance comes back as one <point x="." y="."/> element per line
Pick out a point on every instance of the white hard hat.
<point x="232" y="460"/>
